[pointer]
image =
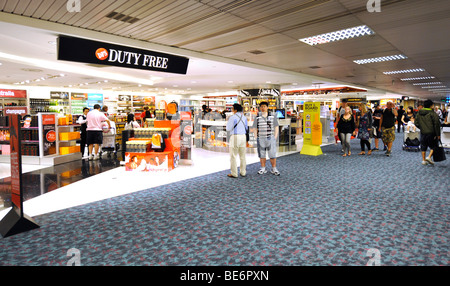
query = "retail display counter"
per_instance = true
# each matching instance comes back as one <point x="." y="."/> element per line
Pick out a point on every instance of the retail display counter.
<point x="143" y="152"/>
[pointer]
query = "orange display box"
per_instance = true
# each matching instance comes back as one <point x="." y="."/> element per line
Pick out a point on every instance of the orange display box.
<point x="157" y="161"/>
<point x="66" y="136"/>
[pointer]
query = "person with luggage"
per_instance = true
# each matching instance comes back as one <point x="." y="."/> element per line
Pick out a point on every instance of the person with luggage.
<point x="237" y="125"/>
<point x="266" y="126"/>
<point x="430" y="130"/>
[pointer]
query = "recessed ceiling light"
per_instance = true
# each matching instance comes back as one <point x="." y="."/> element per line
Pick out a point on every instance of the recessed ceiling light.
<point x="404" y="71"/>
<point x="345" y="34"/>
<point x="417" y="78"/>
<point x="380" y="59"/>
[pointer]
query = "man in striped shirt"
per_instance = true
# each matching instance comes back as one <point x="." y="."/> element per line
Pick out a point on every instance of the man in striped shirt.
<point x="267" y="129"/>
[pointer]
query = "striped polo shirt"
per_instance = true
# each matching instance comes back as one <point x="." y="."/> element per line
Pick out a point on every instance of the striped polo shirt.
<point x="265" y="125"/>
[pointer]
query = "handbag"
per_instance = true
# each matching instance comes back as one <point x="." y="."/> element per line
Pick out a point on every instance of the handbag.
<point x="439" y="152"/>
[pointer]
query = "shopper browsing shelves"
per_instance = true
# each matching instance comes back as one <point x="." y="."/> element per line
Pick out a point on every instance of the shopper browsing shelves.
<point x="95" y="119"/>
<point x="266" y="126"/>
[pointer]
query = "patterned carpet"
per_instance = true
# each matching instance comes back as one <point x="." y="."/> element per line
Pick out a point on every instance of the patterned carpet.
<point x="325" y="210"/>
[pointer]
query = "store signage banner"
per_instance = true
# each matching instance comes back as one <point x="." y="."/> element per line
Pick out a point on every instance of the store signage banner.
<point x="13" y="93"/>
<point x="19" y="110"/>
<point x="59" y="95"/>
<point x="16" y="161"/>
<point x="93" y="52"/>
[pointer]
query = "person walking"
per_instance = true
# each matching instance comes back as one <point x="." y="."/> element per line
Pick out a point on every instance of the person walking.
<point x="94" y="137"/>
<point x="266" y="126"/>
<point x="82" y="120"/>
<point x="346" y="128"/>
<point x="364" y="129"/>
<point x="376" y="123"/>
<point x="430" y="130"/>
<point x="237" y="125"/>
<point x="400" y="112"/>
<point x="387" y="126"/>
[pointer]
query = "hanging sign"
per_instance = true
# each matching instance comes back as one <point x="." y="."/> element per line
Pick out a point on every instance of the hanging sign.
<point x="93" y="52"/>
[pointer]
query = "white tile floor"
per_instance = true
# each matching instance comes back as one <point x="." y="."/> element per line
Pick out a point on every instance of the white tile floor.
<point x="117" y="182"/>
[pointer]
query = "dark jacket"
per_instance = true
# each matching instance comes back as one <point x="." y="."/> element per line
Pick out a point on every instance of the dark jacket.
<point x="428" y="122"/>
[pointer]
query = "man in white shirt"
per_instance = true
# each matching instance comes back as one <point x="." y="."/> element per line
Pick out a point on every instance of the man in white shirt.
<point x="95" y="119"/>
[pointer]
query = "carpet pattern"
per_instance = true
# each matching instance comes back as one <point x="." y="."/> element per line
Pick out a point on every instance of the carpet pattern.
<point x="325" y="210"/>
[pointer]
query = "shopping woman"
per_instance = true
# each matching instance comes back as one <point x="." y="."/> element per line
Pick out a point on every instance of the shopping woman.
<point x="364" y="127"/>
<point x="345" y="129"/>
<point x="131" y="122"/>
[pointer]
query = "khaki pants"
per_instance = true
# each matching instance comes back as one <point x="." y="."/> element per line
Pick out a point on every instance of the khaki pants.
<point x="238" y="145"/>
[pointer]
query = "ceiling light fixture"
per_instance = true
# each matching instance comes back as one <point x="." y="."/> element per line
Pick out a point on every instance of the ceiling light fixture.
<point x="439" y="86"/>
<point x="417" y="78"/>
<point x="404" y="71"/>
<point x="340" y="35"/>
<point x="427" y="83"/>
<point x="380" y="59"/>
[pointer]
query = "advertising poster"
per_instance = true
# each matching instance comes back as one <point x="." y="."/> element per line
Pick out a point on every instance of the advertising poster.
<point x="49" y="134"/>
<point x="312" y="130"/>
<point x="145" y="162"/>
<point x="16" y="162"/>
<point x="185" y="143"/>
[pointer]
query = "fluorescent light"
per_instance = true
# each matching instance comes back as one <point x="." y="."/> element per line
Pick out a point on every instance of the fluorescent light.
<point x="404" y="71"/>
<point x="417" y="78"/>
<point x="340" y="35"/>
<point x="380" y="59"/>
<point x="439" y="86"/>
<point x="427" y="83"/>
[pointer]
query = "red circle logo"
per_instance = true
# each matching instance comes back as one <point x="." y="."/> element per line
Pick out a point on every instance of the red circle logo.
<point x="51" y="136"/>
<point x="188" y="130"/>
<point x="101" y="54"/>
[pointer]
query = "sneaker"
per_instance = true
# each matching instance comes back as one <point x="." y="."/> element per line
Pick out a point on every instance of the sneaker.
<point x="388" y="153"/>
<point x="428" y="159"/>
<point x="275" y="172"/>
<point x="91" y="157"/>
<point x="375" y="149"/>
<point x="262" y="171"/>
<point x="424" y="163"/>
<point x="96" y="157"/>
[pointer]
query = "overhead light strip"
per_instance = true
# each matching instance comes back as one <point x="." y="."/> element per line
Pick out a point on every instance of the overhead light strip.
<point x="340" y="35"/>
<point x="417" y="78"/>
<point x="404" y="71"/>
<point x="380" y="59"/>
<point x="427" y="83"/>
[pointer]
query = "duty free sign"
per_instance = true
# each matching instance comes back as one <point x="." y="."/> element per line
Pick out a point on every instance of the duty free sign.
<point x="93" y="52"/>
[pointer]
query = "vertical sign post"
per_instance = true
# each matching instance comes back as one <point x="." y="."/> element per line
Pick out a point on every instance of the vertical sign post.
<point x="312" y="129"/>
<point x="15" y="220"/>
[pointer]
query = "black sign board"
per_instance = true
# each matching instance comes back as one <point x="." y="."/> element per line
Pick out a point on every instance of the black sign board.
<point x="99" y="53"/>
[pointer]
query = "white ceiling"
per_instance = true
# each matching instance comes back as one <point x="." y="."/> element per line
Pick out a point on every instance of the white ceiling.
<point x="217" y="36"/>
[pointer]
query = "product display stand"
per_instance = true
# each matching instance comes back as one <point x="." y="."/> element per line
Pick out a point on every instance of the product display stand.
<point x="148" y="160"/>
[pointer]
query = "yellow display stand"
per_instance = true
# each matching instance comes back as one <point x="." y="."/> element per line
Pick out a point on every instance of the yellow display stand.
<point x="312" y="130"/>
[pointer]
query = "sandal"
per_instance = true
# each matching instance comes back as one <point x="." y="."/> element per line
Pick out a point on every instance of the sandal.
<point x="231" y="176"/>
<point x="369" y="153"/>
<point x="362" y="153"/>
<point x="345" y="155"/>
